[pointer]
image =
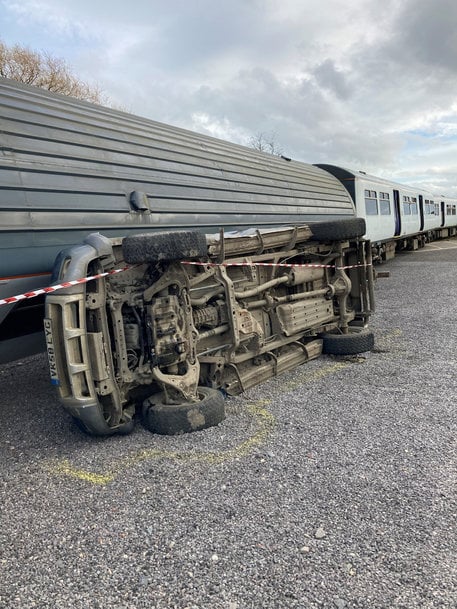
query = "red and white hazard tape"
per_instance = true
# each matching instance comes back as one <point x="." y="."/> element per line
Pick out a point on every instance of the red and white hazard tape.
<point x="69" y="284"/>
<point x="59" y="286"/>
<point x="282" y="264"/>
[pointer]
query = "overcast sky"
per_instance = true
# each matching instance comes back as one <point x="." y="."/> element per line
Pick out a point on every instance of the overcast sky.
<point x="366" y="84"/>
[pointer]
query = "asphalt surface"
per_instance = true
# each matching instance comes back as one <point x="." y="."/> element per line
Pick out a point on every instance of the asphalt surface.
<point x="331" y="486"/>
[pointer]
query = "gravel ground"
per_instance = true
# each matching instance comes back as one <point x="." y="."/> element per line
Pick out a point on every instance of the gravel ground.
<point x="332" y="486"/>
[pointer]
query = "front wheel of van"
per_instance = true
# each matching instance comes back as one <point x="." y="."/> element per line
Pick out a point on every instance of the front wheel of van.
<point x="173" y="419"/>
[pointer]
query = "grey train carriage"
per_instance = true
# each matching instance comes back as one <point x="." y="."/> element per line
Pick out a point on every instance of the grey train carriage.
<point x="71" y="168"/>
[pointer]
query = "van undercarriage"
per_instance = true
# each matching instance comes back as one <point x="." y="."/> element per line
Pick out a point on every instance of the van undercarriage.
<point x="194" y="317"/>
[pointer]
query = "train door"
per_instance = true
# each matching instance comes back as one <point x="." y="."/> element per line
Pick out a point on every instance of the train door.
<point x="397" y="212"/>
<point x="443" y="213"/>
<point x="421" y="212"/>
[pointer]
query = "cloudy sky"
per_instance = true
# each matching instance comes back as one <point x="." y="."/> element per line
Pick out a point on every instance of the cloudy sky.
<point x="367" y="84"/>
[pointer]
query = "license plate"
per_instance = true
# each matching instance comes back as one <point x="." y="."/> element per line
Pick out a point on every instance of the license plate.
<point x="51" y="351"/>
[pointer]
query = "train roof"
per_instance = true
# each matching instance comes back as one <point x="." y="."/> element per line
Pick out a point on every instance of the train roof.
<point x="344" y="174"/>
<point x="45" y="134"/>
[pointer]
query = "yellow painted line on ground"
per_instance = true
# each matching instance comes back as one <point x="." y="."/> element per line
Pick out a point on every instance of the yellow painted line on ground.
<point x="311" y="377"/>
<point x="395" y="333"/>
<point x="64" y="467"/>
<point x="265" y="423"/>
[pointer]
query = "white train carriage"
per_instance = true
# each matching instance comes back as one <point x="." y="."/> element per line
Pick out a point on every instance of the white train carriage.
<point x="397" y="216"/>
<point x="449" y="213"/>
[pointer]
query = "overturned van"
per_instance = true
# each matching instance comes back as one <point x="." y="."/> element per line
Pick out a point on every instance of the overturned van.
<point x="192" y="317"/>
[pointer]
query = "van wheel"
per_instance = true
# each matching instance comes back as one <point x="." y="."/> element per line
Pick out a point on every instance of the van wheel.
<point x="357" y="341"/>
<point x="338" y="230"/>
<point x="173" y="419"/>
<point x="164" y="246"/>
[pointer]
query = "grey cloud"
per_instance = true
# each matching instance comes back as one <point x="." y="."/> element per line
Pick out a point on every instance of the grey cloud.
<point x="330" y="78"/>
<point x="427" y="33"/>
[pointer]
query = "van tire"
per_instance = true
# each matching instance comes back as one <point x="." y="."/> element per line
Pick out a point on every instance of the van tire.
<point x="338" y="230"/>
<point x="174" y="419"/>
<point x="357" y="341"/>
<point x="164" y="246"/>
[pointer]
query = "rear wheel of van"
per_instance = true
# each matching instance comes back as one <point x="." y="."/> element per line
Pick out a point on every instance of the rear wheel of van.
<point x="356" y="341"/>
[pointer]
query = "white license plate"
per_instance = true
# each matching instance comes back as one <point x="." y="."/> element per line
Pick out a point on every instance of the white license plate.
<point x="51" y="352"/>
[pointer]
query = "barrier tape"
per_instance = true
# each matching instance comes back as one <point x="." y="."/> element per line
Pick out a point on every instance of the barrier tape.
<point x="283" y="264"/>
<point x="59" y="286"/>
<point x="69" y="284"/>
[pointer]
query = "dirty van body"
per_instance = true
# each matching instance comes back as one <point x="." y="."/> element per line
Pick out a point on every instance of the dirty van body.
<point x="69" y="168"/>
<point x="192" y="317"/>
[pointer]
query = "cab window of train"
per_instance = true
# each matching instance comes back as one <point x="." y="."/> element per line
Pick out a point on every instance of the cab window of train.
<point x="384" y="203"/>
<point x="371" y="203"/>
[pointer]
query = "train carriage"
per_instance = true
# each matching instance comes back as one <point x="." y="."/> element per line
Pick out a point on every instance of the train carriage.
<point x="397" y="216"/>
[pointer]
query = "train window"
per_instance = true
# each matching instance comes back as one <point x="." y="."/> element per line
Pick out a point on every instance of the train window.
<point x="384" y="203"/>
<point x="371" y="207"/>
<point x="384" y="207"/>
<point x="371" y="203"/>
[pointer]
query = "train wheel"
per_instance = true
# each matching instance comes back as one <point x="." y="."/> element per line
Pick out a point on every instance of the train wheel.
<point x="338" y="230"/>
<point x="173" y="419"/>
<point x="164" y="246"/>
<point x="357" y="341"/>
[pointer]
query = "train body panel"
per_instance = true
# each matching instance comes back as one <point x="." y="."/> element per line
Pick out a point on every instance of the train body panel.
<point x="69" y="168"/>
<point x="448" y="212"/>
